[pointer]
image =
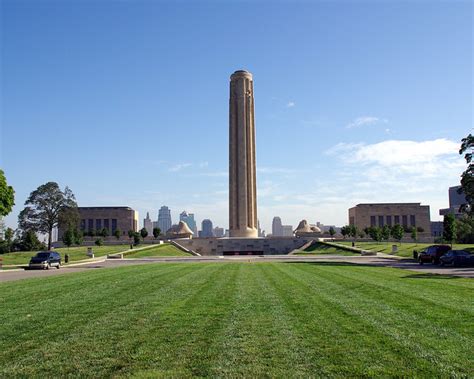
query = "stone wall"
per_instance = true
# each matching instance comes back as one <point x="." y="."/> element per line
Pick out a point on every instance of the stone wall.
<point x="242" y="246"/>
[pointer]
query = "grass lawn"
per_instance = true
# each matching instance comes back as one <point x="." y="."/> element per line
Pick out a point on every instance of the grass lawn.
<point x="76" y="253"/>
<point x="404" y="250"/>
<point x="321" y="248"/>
<point x="165" y="250"/>
<point x="238" y="319"/>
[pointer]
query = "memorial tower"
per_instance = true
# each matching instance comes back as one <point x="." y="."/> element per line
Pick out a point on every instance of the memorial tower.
<point x="242" y="172"/>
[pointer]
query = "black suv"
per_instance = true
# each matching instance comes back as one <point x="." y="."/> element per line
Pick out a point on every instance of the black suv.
<point x="432" y="253"/>
<point x="45" y="260"/>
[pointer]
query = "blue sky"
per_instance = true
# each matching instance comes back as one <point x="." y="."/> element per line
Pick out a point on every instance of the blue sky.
<point x="126" y="102"/>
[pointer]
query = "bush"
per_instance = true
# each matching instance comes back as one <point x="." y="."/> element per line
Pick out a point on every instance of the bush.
<point x="98" y="242"/>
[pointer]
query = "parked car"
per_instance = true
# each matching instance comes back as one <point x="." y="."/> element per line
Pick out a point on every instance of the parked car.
<point x="432" y="253"/>
<point x="457" y="258"/>
<point x="45" y="260"/>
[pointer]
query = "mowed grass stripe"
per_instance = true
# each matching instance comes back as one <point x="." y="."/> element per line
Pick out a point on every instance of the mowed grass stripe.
<point x="387" y="280"/>
<point x="433" y="347"/>
<point x="346" y="346"/>
<point x="421" y="304"/>
<point x="259" y="339"/>
<point x="92" y="322"/>
<point x="191" y="326"/>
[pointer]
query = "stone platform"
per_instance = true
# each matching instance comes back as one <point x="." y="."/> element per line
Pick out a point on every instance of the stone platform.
<point x="244" y="246"/>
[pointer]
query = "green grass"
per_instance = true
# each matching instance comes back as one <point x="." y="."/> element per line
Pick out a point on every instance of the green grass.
<point x="164" y="250"/>
<point x="405" y="249"/>
<point x="321" y="248"/>
<point x="75" y="253"/>
<point x="238" y="319"/>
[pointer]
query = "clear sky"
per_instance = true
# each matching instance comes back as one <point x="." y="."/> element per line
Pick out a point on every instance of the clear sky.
<point x="126" y="102"/>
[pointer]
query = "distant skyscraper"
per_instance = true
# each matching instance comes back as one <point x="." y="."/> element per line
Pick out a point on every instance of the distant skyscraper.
<point x="277" y="227"/>
<point x="456" y="200"/>
<point x="218" y="232"/>
<point x="188" y="218"/>
<point x="206" y="227"/>
<point x="287" y="230"/>
<point x="261" y="233"/>
<point x="164" y="219"/>
<point x="148" y="224"/>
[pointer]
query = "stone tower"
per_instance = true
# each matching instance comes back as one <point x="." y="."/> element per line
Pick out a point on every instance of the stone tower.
<point x="242" y="175"/>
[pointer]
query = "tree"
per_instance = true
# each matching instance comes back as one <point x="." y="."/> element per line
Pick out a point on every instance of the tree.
<point x="386" y="232"/>
<point x="136" y="238"/>
<point x="144" y="233"/>
<point x="156" y="232"/>
<point x="29" y="241"/>
<point x="465" y="229"/>
<point x="78" y="236"/>
<point x="44" y="207"/>
<point x="345" y="231"/>
<point x="449" y="228"/>
<point x="104" y="232"/>
<point x="332" y="231"/>
<point x="375" y="233"/>
<point x="131" y="233"/>
<point x="414" y="234"/>
<point x="68" y="237"/>
<point x="98" y="242"/>
<point x="397" y="232"/>
<point x="467" y="177"/>
<point x="117" y="233"/>
<point x="7" y="196"/>
<point x="353" y="231"/>
<point x="8" y="242"/>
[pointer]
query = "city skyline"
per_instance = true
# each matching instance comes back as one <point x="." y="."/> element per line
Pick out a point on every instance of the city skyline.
<point x="341" y="118"/>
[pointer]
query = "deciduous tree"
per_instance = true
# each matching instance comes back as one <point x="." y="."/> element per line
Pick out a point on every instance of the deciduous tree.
<point x="414" y="234"/>
<point x="44" y="207"/>
<point x="449" y="228"/>
<point x="375" y="233"/>
<point x="7" y="196"/>
<point x="68" y="237"/>
<point x="156" y="232"/>
<point x="136" y="238"/>
<point x="144" y="233"/>
<point x="467" y="177"/>
<point x="397" y="232"/>
<point x="345" y="231"/>
<point x="332" y="231"/>
<point x="386" y="232"/>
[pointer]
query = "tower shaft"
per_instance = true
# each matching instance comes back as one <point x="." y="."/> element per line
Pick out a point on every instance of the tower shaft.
<point x="242" y="172"/>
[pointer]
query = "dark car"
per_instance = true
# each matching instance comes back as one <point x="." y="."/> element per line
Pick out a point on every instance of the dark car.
<point x="457" y="258"/>
<point x="432" y="253"/>
<point x="45" y="260"/>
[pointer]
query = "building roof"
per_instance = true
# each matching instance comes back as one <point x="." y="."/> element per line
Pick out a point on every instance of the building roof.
<point x="393" y="204"/>
<point x="107" y="207"/>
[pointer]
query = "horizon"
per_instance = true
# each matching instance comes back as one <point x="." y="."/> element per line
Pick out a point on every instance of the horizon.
<point x="127" y="104"/>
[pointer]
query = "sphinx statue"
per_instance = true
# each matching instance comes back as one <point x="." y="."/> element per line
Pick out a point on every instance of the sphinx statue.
<point x="306" y="230"/>
<point x="181" y="230"/>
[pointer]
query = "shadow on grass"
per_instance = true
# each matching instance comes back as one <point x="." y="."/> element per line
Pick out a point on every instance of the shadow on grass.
<point x="321" y="248"/>
<point x="430" y="275"/>
<point x="334" y="264"/>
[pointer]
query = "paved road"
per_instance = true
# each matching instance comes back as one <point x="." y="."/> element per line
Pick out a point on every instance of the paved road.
<point x="466" y="272"/>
